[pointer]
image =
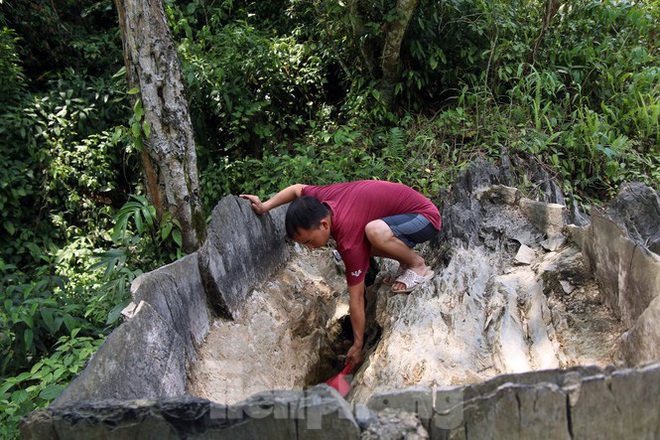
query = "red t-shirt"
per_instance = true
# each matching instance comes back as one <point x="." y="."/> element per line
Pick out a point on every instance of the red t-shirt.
<point x="354" y="204"/>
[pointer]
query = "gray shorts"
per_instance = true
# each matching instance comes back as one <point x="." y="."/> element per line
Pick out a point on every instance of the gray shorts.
<point x="411" y="229"/>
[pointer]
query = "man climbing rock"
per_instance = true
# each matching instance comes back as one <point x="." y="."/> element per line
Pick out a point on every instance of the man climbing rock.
<point x="366" y="218"/>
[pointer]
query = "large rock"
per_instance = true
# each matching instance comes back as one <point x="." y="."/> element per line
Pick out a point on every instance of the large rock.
<point x="143" y="358"/>
<point x="316" y="414"/>
<point x="172" y="310"/>
<point x="622" y="404"/>
<point x="175" y="292"/>
<point x="241" y="250"/>
<point x="280" y="338"/>
<point x="487" y="311"/>
<point x="580" y="402"/>
<point x="641" y="343"/>
<point x="628" y="273"/>
<point x="474" y="353"/>
<point x="637" y="208"/>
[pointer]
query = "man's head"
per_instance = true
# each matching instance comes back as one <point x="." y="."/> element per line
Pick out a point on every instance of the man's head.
<point x="308" y="222"/>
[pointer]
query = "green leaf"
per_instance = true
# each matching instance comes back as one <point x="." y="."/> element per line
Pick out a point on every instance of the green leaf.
<point x="59" y="372"/>
<point x="121" y="72"/>
<point x="20" y="396"/>
<point x="6" y="386"/>
<point x="134" y="91"/>
<point x="47" y="316"/>
<point x="165" y="230"/>
<point x="176" y="236"/>
<point x="115" y="313"/>
<point x="36" y="367"/>
<point x="28" y="337"/>
<point x="23" y="377"/>
<point x="51" y="392"/>
<point x="70" y="323"/>
<point x="148" y="215"/>
<point x="138" y="223"/>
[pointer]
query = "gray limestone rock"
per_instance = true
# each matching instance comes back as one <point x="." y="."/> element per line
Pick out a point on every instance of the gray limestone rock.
<point x="411" y="400"/>
<point x="549" y="218"/>
<point x="395" y="424"/>
<point x="554" y="242"/>
<point x="525" y="255"/>
<point x="242" y="249"/>
<point x="175" y="292"/>
<point x="143" y="358"/>
<point x="637" y="208"/>
<point x="318" y="413"/>
<point x="451" y="360"/>
<point x="627" y="272"/>
<point x="640" y="344"/>
<point x="324" y="414"/>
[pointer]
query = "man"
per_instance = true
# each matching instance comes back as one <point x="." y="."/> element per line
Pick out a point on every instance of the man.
<point x="366" y="218"/>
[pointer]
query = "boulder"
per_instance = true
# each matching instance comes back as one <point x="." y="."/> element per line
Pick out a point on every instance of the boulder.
<point x="143" y="358"/>
<point x="318" y="413"/>
<point x="241" y="250"/>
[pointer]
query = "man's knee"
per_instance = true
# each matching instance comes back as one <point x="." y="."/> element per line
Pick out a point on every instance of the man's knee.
<point x="377" y="231"/>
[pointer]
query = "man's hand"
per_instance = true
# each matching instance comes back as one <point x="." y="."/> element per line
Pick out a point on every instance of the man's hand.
<point x="257" y="206"/>
<point x="287" y="195"/>
<point x="354" y="355"/>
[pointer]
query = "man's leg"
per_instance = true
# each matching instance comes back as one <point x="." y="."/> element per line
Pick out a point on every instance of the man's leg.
<point x="385" y="244"/>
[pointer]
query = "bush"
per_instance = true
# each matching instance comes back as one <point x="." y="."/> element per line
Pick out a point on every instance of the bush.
<point x="248" y="88"/>
<point x="37" y="387"/>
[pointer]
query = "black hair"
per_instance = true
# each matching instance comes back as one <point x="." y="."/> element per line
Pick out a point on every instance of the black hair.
<point x="305" y="212"/>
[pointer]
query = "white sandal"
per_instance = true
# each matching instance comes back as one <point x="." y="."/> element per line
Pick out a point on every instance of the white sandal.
<point x="390" y="279"/>
<point x="411" y="280"/>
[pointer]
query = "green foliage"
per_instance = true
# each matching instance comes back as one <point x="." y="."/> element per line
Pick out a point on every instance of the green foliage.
<point x="248" y="87"/>
<point x="63" y="168"/>
<point x="46" y="379"/>
<point x="12" y="79"/>
<point x="57" y="34"/>
<point x="335" y="154"/>
<point x="147" y="224"/>
<point x="54" y="318"/>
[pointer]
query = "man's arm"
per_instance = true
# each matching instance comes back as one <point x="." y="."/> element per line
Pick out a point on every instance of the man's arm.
<point x="287" y="195"/>
<point x="356" y="308"/>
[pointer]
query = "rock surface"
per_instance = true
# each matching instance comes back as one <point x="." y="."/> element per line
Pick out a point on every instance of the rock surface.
<point x="173" y="308"/>
<point x="278" y="339"/>
<point x="503" y="303"/>
<point x="515" y="337"/>
<point x="580" y="402"/>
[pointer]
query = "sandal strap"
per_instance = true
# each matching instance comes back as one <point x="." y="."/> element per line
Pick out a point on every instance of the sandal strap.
<point x="392" y="278"/>
<point x="411" y="280"/>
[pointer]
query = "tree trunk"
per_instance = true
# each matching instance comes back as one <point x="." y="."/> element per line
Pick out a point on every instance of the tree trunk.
<point x="366" y="44"/>
<point x="396" y="31"/>
<point x="169" y="159"/>
<point x="551" y="8"/>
